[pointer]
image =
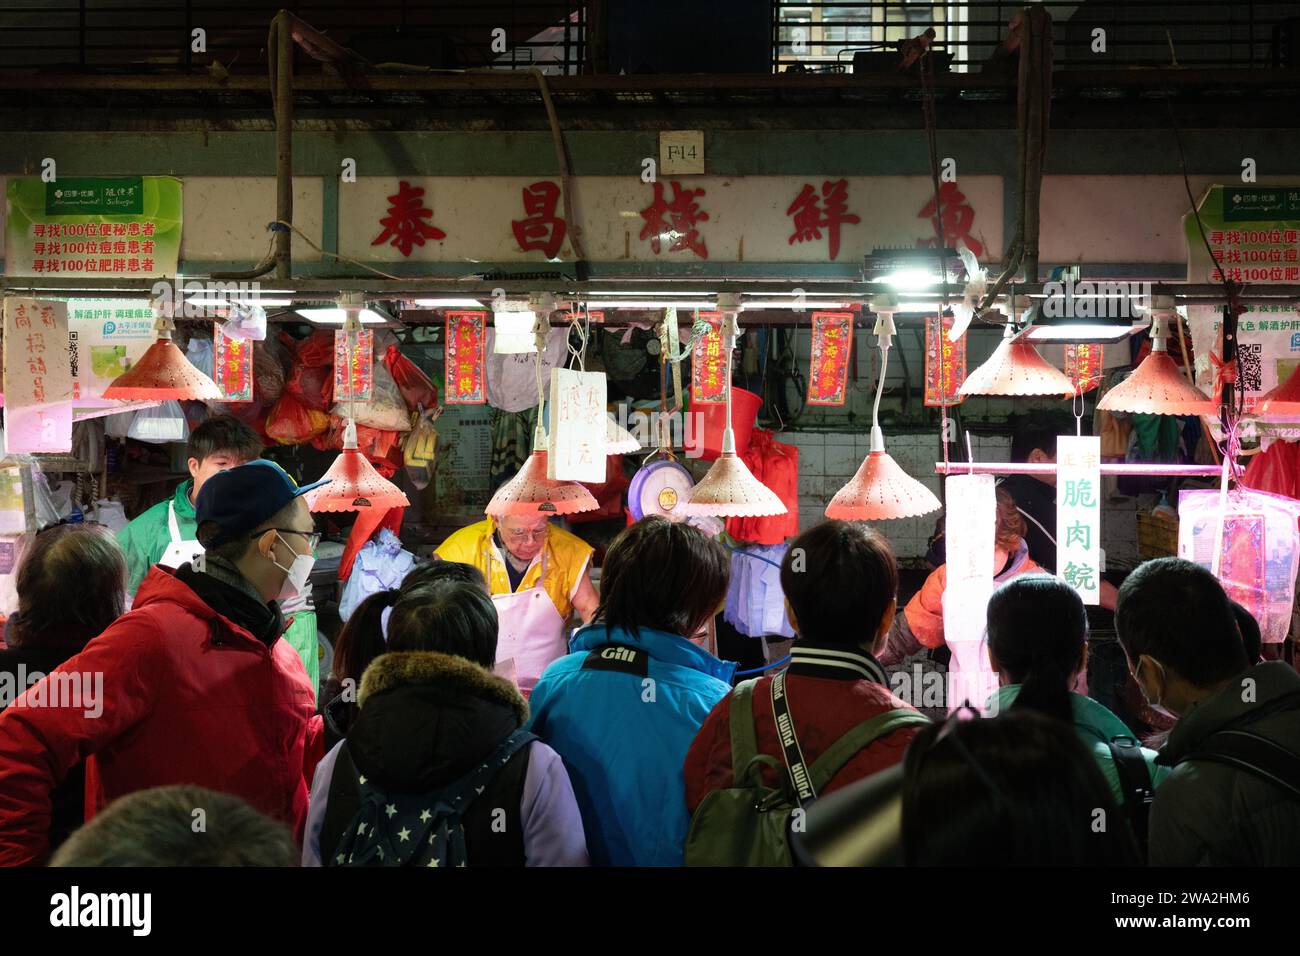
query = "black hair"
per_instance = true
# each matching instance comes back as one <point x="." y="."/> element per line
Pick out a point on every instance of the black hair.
<point x="1030" y="434"/>
<point x="662" y="575"/>
<point x="1016" y="790"/>
<point x="433" y="571"/>
<point x="450" y="617"/>
<point x="71" y="586"/>
<point x="1038" y="629"/>
<point x="1251" y="639"/>
<point x="1177" y="612"/>
<point x="840" y="579"/>
<point x="155" y="827"/>
<point x="362" y="638"/>
<point x="223" y="433"/>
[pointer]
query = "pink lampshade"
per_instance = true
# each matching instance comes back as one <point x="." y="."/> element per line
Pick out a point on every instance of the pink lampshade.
<point x="1156" y="387"/>
<point x="730" y="490"/>
<point x="618" y="440"/>
<point x="1281" y="403"/>
<point x="880" y="491"/>
<point x="1016" y="368"/>
<point x="531" y="493"/>
<point x="354" y="485"/>
<point x="163" y="373"/>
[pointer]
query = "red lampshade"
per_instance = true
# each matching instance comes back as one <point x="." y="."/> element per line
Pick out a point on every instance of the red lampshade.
<point x="730" y="490"/>
<point x="618" y="440"/>
<point x="880" y="491"/>
<point x="531" y="493"/>
<point x="163" y="373"/>
<point x="354" y="485"/>
<point x="1156" y="387"/>
<point x="1281" y="403"/>
<point x="1016" y="368"/>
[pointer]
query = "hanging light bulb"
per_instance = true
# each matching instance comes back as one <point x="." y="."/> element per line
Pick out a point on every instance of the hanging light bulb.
<point x="881" y="490"/>
<point x="729" y="489"/>
<point x="354" y="484"/>
<point x="163" y="373"/>
<point x="1156" y="387"/>
<point x="1282" y="403"/>
<point x="1016" y="368"/>
<point x="530" y="492"/>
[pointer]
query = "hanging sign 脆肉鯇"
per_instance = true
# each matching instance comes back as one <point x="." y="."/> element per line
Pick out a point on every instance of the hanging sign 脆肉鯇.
<point x="945" y="363"/>
<point x="1078" y="514"/>
<point x="466" y="358"/>
<point x="832" y="350"/>
<point x="709" y="367"/>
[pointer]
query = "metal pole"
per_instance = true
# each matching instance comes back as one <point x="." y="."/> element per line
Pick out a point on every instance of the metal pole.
<point x="1049" y="468"/>
<point x="283" y="144"/>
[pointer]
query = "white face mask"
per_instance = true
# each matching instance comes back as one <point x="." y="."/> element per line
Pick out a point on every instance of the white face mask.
<point x="296" y="574"/>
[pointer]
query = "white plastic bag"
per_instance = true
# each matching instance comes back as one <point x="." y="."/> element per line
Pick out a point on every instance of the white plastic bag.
<point x="246" y="322"/>
<point x="166" y="423"/>
<point x="386" y="409"/>
<point x="199" y="352"/>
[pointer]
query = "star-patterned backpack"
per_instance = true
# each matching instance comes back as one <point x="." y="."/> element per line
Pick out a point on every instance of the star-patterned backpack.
<point x="413" y="829"/>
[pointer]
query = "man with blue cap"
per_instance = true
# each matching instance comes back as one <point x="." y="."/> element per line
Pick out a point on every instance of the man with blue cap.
<point x="194" y="685"/>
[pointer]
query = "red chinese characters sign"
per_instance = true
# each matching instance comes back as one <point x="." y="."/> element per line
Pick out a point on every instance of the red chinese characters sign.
<point x="1085" y="365"/>
<point x="813" y="213"/>
<point x="955" y="220"/>
<point x="832" y="348"/>
<point x="232" y="366"/>
<point x="359" y="362"/>
<point x="677" y="219"/>
<point x="405" y="226"/>
<point x="540" y="228"/>
<point x="945" y="363"/>
<point x="37" y="376"/>
<point x="466" y="358"/>
<point x="709" y="364"/>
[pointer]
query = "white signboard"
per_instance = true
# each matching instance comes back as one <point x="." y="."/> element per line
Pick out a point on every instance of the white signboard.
<point x="970" y="530"/>
<point x="1078" y="514"/>
<point x="37" y="376"/>
<point x="578" y="426"/>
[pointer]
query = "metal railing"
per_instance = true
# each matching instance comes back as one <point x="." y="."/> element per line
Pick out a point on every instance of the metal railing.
<point x="817" y="36"/>
<point x="141" y="36"/>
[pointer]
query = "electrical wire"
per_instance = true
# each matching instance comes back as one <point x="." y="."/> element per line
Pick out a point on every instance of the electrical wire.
<point x="334" y="255"/>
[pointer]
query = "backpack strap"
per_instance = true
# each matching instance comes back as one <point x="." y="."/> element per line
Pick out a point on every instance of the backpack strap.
<point x="1134" y="783"/>
<point x="341" y="805"/>
<point x="835" y="756"/>
<point x="462" y="792"/>
<point x="1253" y="754"/>
<point x="744" y="740"/>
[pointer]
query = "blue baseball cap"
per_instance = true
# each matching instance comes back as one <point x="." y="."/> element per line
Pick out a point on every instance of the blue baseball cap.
<point x="239" y="499"/>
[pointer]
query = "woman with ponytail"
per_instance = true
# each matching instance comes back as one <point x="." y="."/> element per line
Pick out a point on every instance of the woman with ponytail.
<point x="1038" y="645"/>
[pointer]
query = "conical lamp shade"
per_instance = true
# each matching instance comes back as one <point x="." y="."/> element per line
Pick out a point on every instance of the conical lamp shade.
<point x="531" y="493"/>
<point x="1156" y="387"/>
<point x="354" y="485"/>
<point x="881" y="490"/>
<point x="1016" y="368"/>
<point x="163" y="373"/>
<point x="618" y="440"/>
<point x="730" y="490"/>
<point x="1283" y="402"/>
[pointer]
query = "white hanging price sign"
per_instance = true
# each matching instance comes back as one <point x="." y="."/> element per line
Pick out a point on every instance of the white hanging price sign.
<point x="1078" y="514"/>
<point x="576" y="444"/>
<point x="970" y="529"/>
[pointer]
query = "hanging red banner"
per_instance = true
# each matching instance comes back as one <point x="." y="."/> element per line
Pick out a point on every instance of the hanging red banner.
<point x="362" y="365"/>
<point x="709" y="366"/>
<point x="832" y="348"/>
<point x="945" y="363"/>
<point x="232" y="366"/>
<point x="1085" y="365"/>
<point x="466" y="355"/>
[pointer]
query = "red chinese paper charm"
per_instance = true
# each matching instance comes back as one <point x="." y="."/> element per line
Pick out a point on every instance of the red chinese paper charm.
<point x="466" y="358"/>
<point x="832" y="347"/>
<point x="709" y="364"/>
<point x="945" y="363"/>
<point x="404" y="226"/>
<point x="1085" y="365"/>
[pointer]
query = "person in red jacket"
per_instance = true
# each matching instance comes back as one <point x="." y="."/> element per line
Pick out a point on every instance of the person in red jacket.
<point x="192" y="686"/>
<point x="840" y="582"/>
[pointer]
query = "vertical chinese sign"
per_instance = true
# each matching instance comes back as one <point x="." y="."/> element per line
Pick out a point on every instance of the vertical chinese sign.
<point x="466" y="358"/>
<point x="576" y="450"/>
<point x="232" y="366"/>
<point x="1085" y="365"/>
<point x="832" y="348"/>
<point x="354" y="369"/>
<point x="708" y="364"/>
<point x="37" y="377"/>
<point x="127" y="227"/>
<point x="945" y="363"/>
<point x="970" y="530"/>
<point x="1078" y="514"/>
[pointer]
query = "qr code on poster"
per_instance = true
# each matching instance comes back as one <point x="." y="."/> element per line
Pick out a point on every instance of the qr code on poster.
<point x="1249" y="367"/>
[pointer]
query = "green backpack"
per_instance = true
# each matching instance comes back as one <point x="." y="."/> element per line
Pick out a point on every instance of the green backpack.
<point x="748" y="824"/>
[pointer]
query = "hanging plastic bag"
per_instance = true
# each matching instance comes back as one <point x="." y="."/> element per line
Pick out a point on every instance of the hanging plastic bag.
<point x="417" y="390"/>
<point x="245" y="322"/>
<point x="1260" y="553"/>
<point x="381" y="565"/>
<point x="418" y="451"/>
<point x="118" y="425"/>
<point x="166" y="423"/>
<point x="199" y="352"/>
<point x="111" y="514"/>
<point x="292" y="423"/>
<point x="268" y="371"/>
<point x="386" y="409"/>
<point x="777" y="466"/>
<point x="313" y="385"/>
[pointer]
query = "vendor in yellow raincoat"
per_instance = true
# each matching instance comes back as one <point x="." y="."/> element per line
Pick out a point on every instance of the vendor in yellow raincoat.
<point x="538" y="575"/>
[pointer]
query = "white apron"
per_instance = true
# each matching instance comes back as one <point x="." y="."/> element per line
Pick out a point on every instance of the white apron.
<point x="180" y="551"/>
<point x="530" y="631"/>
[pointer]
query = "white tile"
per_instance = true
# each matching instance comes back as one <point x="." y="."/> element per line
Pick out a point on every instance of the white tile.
<point x="812" y="460"/>
<point x="810" y="485"/>
<point x="840" y="438"/>
<point x="842" y="460"/>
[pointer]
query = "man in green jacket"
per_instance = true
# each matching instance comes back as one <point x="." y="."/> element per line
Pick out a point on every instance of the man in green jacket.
<point x="165" y="533"/>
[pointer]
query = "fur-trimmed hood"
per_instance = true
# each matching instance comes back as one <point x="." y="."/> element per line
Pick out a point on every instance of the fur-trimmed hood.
<point x="426" y="718"/>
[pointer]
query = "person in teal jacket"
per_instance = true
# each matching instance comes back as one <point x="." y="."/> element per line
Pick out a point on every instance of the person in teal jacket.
<point x="1038" y="644"/>
<point x="623" y="706"/>
<point x="165" y="533"/>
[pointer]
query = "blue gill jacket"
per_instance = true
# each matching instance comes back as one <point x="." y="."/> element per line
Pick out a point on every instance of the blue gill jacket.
<point x="623" y="718"/>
